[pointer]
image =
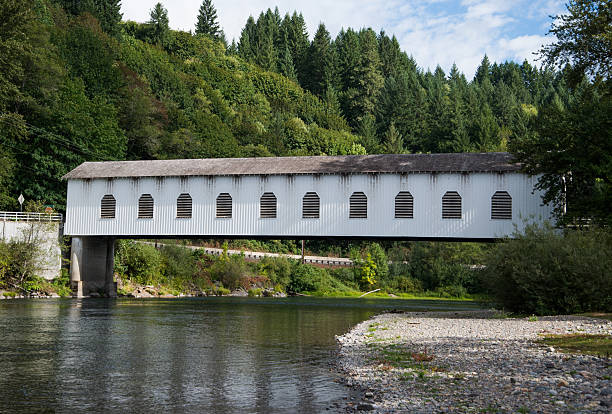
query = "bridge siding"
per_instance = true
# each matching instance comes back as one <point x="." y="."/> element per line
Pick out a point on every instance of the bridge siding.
<point x="476" y="190"/>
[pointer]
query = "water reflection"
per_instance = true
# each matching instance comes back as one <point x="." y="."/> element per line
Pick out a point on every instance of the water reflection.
<point x="193" y="355"/>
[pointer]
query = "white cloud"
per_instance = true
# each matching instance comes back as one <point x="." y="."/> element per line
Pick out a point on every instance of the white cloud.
<point x="433" y="31"/>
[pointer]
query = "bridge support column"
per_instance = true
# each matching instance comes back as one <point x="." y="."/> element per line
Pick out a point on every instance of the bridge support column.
<point x="92" y="265"/>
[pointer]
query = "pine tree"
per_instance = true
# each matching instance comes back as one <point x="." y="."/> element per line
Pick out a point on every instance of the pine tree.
<point x="207" y="21"/>
<point x="159" y="24"/>
<point x="367" y="130"/>
<point x="320" y="60"/>
<point x="390" y="54"/>
<point x="109" y="14"/>
<point x="394" y="143"/>
<point x="484" y="70"/>
<point x="297" y="37"/>
<point x="76" y="7"/>
<point x="285" y="60"/>
<point x="266" y="35"/>
<point x="246" y="44"/>
<point x="347" y="46"/>
<point x="369" y="77"/>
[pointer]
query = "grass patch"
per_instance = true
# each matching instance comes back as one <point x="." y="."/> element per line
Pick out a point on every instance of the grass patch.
<point x="398" y="356"/>
<point x="598" y="315"/>
<point x="600" y="345"/>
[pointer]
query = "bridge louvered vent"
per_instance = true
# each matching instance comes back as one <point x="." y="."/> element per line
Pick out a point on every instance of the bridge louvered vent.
<point x="267" y="205"/>
<point x="501" y="206"/>
<point x="224" y="205"/>
<point x="310" y="205"/>
<point x="404" y="205"/>
<point x="183" y="206"/>
<point x="451" y="205"/>
<point x="107" y="206"/>
<point x="145" y="206"/>
<point x="358" y="205"/>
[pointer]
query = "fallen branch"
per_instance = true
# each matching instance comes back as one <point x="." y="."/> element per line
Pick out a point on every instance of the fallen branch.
<point x="371" y="291"/>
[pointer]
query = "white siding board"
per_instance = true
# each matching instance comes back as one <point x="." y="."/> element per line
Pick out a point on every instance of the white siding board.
<point x="476" y="189"/>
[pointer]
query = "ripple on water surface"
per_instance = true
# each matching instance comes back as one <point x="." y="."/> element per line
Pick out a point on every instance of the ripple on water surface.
<point x="190" y="355"/>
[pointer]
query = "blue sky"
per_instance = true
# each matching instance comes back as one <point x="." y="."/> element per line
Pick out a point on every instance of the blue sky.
<point x="435" y="32"/>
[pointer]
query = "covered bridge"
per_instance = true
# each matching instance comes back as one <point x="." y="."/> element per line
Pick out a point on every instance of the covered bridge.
<point x="470" y="196"/>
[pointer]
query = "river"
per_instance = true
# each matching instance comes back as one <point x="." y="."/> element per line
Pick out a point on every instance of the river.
<point x="204" y="355"/>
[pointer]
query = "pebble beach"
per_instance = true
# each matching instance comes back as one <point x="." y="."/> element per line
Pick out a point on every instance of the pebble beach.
<point x="427" y="362"/>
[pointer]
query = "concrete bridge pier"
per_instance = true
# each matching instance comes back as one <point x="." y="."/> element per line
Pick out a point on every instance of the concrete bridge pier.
<point x="92" y="266"/>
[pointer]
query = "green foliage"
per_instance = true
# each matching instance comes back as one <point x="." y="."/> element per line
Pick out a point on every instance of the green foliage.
<point x="307" y="278"/>
<point x="159" y="23"/>
<point x="255" y="293"/>
<point x="583" y="38"/>
<point x="140" y="262"/>
<point x="61" y="284"/>
<point x="18" y="263"/>
<point x="277" y="269"/>
<point x="543" y="271"/>
<point x="572" y="150"/>
<point x="207" y="23"/>
<point x="230" y="270"/>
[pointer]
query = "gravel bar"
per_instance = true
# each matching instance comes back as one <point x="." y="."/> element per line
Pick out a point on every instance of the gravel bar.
<point x="431" y="362"/>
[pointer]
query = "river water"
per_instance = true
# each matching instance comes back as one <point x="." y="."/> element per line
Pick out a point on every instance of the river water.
<point x="205" y="355"/>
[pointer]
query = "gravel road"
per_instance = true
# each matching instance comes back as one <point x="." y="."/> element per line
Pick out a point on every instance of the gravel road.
<point x="473" y="362"/>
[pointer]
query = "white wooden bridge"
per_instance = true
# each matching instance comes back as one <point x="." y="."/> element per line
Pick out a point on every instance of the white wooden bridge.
<point x="473" y="196"/>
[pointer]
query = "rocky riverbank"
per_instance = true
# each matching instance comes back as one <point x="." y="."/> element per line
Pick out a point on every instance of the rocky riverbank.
<point x="473" y="362"/>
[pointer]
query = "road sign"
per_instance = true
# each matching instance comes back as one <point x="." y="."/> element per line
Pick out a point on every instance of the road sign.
<point x="20" y="199"/>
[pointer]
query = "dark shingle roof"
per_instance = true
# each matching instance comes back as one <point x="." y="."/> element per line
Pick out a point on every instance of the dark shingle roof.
<point x="345" y="164"/>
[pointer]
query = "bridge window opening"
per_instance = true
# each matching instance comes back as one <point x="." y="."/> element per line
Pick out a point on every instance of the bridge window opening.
<point x="311" y="205"/>
<point x="451" y="205"/>
<point x="501" y="206"/>
<point x="224" y="205"/>
<point x="184" y="206"/>
<point x="267" y="205"/>
<point x="358" y="205"/>
<point x="108" y="206"/>
<point x="145" y="206"/>
<point x="404" y="205"/>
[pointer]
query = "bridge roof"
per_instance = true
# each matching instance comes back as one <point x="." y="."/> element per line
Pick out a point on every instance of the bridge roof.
<point x="345" y="164"/>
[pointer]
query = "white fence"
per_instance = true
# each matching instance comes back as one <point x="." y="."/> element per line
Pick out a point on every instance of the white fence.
<point x="17" y="216"/>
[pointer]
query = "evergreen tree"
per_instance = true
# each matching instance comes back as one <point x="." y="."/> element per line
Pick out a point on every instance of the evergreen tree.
<point x="76" y="7"/>
<point x="246" y="44"/>
<point x="321" y="62"/>
<point x="347" y="46"/>
<point x="207" y="21"/>
<point x="297" y="37"/>
<point x="394" y="143"/>
<point x="367" y="131"/>
<point x="390" y="54"/>
<point x="159" y="24"/>
<point x="370" y="79"/>
<point x="483" y="71"/>
<point x="285" y="60"/>
<point x="266" y="34"/>
<point x="109" y="14"/>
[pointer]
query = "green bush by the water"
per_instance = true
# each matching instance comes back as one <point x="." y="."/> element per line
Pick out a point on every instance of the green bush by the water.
<point x="544" y="271"/>
<point x="418" y="268"/>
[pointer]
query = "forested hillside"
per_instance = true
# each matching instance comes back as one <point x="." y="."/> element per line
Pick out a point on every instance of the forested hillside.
<point x="77" y="84"/>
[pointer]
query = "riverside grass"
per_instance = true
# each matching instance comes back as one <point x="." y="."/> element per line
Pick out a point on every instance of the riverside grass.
<point x="579" y="343"/>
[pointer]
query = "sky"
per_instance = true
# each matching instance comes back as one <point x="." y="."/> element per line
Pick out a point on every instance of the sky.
<point x="434" y="32"/>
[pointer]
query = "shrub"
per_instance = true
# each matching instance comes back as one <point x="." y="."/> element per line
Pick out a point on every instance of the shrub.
<point x="230" y="270"/>
<point x="255" y="293"/>
<point x="543" y="271"/>
<point x="277" y="269"/>
<point x="139" y="262"/>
